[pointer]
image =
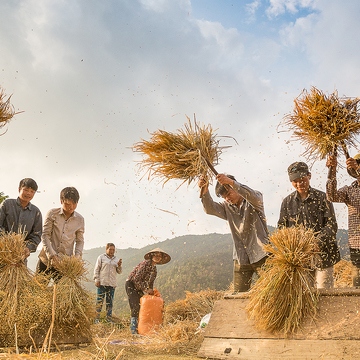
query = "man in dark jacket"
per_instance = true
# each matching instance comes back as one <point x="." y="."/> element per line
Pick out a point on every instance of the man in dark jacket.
<point x="310" y="207"/>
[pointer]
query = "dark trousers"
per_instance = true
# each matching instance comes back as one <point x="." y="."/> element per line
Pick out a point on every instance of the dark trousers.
<point x="134" y="296"/>
<point x="48" y="270"/>
<point x="243" y="274"/>
<point x="102" y="293"/>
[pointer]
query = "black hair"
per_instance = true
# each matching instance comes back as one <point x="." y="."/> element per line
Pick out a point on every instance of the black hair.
<point x="221" y="190"/>
<point x="109" y="245"/>
<point x="70" y="193"/>
<point x="29" y="183"/>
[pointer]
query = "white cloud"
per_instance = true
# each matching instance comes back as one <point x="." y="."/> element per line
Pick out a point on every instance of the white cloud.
<point x="279" y="7"/>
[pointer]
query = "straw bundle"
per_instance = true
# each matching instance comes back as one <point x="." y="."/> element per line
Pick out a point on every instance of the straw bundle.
<point x="282" y="296"/>
<point x="324" y="122"/>
<point x="342" y="274"/>
<point x="183" y="155"/>
<point x="23" y="300"/>
<point x="193" y="307"/>
<point x="74" y="304"/>
<point x="6" y="109"/>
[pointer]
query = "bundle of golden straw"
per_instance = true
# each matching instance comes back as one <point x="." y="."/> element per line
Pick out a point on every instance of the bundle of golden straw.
<point x="342" y="274"/>
<point x="6" y="109"/>
<point x="23" y="300"/>
<point x="324" y="123"/>
<point x="180" y="155"/>
<point x="282" y="296"/>
<point x="74" y="304"/>
<point x="193" y="307"/>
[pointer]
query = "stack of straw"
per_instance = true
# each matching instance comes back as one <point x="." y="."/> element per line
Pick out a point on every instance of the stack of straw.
<point x="282" y="296"/>
<point x="23" y="299"/>
<point x="183" y="155"/>
<point x="74" y="304"/>
<point x="6" y="109"/>
<point x="324" y="123"/>
<point x="193" y="307"/>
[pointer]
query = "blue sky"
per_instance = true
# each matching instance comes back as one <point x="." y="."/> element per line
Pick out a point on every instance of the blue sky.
<point x="93" y="78"/>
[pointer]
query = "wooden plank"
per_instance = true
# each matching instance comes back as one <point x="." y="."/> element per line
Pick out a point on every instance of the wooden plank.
<point x="338" y="318"/>
<point x="321" y="292"/>
<point x="270" y="349"/>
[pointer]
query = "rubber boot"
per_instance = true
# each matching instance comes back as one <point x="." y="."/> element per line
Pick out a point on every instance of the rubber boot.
<point x="133" y="325"/>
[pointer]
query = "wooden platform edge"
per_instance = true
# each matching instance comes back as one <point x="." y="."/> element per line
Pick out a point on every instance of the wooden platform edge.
<point x="271" y="349"/>
<point x="322" y="292"/>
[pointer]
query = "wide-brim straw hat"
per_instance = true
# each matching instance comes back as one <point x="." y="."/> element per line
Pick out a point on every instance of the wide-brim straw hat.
<point x="165" y="257"/>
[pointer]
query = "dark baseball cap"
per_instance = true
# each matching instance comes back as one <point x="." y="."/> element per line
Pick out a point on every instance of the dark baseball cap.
<point x="297" y="170"/>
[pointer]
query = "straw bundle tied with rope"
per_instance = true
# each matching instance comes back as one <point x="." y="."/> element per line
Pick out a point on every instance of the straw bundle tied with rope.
<point x="324" y="123"/>
<point x="282" y="296"/>
<point x="23" y="299"/>
<point x="186" y="154"/>
<point x="74" y="304"/>
<point x="28" y="306"/>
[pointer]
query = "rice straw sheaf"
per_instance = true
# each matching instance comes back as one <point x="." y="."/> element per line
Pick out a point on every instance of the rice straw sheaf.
<point x="342" y="274"/>
<point x="282" y="296"/>
<point x="74" y="304"/>
<point x="193" y="307"/>
<point x="324" y="123"/>
<point x="23" y="301"/>
<point x="180" y="155"/>
<point x="6" y="109"/>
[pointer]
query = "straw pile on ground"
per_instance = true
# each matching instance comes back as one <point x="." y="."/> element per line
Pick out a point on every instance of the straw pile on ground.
<point x="23" y="299"/>
<point x="180" y="155"/>
<point x="324" y="123"/>
<point x="6" y="109"/>
<point x="282" y="296"/>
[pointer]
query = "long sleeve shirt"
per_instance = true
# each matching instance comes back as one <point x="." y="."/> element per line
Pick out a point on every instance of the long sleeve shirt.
<point x="247" y="223"/>
<point x="61" y="235"/>
<point x="316" y="213"/>
<point x="28" y="220"/>
<point x="106" y="269"/>
<point x="143" y="275"/>
<point x="349" y="195"/>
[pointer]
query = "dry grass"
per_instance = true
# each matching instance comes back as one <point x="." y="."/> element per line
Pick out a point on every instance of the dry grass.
<point x="180" y="155"/>
<point x="27" y="302"/>
<point x="74" y="304"/>
<point x="342" y="274"/>
<point x="23" y="300"/>
<point x="193" y="307"/>
<point x="282" y="296"/>
<point x="6" y="109"/>
<point x="324" y="123"/>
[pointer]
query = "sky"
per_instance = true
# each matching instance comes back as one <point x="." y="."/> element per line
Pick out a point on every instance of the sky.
<point x="93" y="78"/>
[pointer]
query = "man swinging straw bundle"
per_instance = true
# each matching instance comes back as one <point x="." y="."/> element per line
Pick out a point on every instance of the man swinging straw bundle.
<point x="282" y="296"/>
<point x="186" y="154"/>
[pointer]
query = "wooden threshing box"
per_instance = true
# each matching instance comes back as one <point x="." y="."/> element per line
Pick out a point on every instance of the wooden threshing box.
<point x="334" y="334"/>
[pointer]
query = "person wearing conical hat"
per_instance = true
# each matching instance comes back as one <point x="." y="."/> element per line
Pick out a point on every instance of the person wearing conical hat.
<point x="349" y="195"/>
<point x="141" y="281"/>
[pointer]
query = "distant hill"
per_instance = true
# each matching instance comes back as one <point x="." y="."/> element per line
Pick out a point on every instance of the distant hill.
<point x="198" y="262"/>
